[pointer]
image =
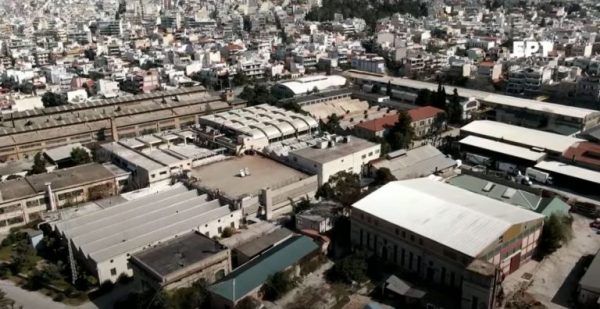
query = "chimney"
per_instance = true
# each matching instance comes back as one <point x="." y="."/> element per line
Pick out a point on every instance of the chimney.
<point x="50" y="196"/>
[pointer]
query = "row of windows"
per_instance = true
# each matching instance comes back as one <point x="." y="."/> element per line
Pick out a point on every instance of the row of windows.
<point x="70" y="195"/>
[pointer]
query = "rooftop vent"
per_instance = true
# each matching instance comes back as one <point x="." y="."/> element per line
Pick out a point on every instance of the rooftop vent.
<point x="510" y="192"/>
<point x="488" y="187"/>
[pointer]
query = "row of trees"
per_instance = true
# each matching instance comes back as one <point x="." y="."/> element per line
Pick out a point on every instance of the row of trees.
<point x="439" y="99"/>
<point x="370" y="11"/>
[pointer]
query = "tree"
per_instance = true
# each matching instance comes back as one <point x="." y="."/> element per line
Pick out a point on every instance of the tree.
<point x="227" y="232"/>
<point x="352" y="268"/>
<point x="247" y="302"/>
<point x="556" y="232"/>
<point x="437" y="127"/>
<point x="315" y="89"/>
<point x="39" y="164"/>
<point x="454" y="109"/>
<point x="423" y="97"/>
<point x="22" y="258"/>
<point x="240" y="79"/>
<point x="382" y="177"/>
<point x="388" y="89"/>
<point x="332" y="125"/>
<point x="90" y="54"/>
<point x="385" y="146"/>
<point x="80" y="156"/>
<point x="277" y="285"/>
<point x="402" y="133"/>
<point x="343" y="187"/>
<point x="376" y="88"/>
<point x="50" y="99"/>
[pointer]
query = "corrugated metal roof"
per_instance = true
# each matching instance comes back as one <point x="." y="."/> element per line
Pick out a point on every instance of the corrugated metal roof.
<point x="456" y="218"/>
<point x="503" y="148"/>
<point x="569" y="170"/>
<point x="256" y="272"/>
<point x="520" y="135"/>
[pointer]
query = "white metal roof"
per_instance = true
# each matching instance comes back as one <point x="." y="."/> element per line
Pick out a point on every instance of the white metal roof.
<point x="129" y="226"/>
<point x="507" y="149"/>
<point x="322" y="82"/>
<point x="456" y="218"/>
<point x="489" y="97"/>
<point x="520" y="135"/>
<point x="569" y="170"/>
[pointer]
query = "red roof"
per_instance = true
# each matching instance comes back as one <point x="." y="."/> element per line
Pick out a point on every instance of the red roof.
<point x="424" y="112"/>
<point x="584" y="152"/>
<point x="384" y="122"/>
<point x="379" y="124"/>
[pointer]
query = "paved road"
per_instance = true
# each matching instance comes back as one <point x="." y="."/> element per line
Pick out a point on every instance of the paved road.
<point x="36" y="300"/>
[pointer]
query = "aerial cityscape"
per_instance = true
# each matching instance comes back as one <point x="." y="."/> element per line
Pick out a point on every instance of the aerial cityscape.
<point x="299" y="154"/>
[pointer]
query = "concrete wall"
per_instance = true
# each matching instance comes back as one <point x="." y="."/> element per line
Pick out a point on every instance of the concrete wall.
<point x="278" y="200"/>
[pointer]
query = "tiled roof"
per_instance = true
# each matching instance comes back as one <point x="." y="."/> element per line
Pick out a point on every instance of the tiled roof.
<point x="424" y="112"/>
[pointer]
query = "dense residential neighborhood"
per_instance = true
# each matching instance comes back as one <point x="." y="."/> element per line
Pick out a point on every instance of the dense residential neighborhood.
<point x="298" y="154"/>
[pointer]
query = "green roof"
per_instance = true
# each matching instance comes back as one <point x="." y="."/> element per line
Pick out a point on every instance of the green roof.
<point x="517" y="197"/>
<point x="255" y="273"/>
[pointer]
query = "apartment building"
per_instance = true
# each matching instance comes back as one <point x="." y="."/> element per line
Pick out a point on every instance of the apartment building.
<point x="369" y="63"/>
<point x="464" y="242"/>
<point x="527" y="80"/>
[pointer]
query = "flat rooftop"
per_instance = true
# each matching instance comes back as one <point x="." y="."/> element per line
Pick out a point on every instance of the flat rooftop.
<point x="340" y="150"/>
<point x="417" y="162"/>
<point x="256" y="246"/>
<point x="264" y="173"/>
<point x="69" y="177"/>
<point x="569" y="170"/>
<point x="503" y="148"/>
<point x="521" y="136"/>
<point x="178" y="253"/>
<point x="464" y="221"/>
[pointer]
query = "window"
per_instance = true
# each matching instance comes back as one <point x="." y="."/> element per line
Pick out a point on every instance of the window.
<point x="220" y="230"/>
<point x="397" y="231"/>
<point x="113" y="271"/>
<point x="412" y="238"/>
<point x="403" y="234"/>
<point x="370" y="153"/>
<point x="421" y="241"/>
<point x="364" y="156"/>
<point x="232" y="224"/>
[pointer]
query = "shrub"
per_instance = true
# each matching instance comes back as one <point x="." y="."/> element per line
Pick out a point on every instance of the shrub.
<point x="227" y="232"/>
<point x="278" y="285"/>
<point x="59" y="297"/>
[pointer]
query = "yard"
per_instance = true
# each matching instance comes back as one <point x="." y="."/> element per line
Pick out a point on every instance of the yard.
<point x="554" y="280"/>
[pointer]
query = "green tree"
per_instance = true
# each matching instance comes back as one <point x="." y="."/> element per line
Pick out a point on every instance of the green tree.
<point x="454" y="109"/>
<point x="376" y="88"/>
<point x="402" y="133"/>
<point x="556" y="232"/>
<point x="385" y="146"/>
<point x="227" y="232"/>
<point x="388" y="89"/>
<point x="80" y="156"/>
<point x="343" y="187"/>
<point x="51" y="99"/>
<point x="423" y="97"/>
<point x="39" y="164"/>
<point x="352" y="268"/>
<point x="22" y="258"/>
<point x="247" y="302"/>
<point x="332" y="125"/>
<point x="382" y="177"/>
<point x="277" y="285"/>
<point x="240" y="79"/>
<point x="315" y="89"/>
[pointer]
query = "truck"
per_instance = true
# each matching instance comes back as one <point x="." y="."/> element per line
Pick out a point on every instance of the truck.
<point x="538" y="176"/>
<point x="477" y="159"/>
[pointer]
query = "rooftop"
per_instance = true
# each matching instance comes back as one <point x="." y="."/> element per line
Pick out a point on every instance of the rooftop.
<point x="224" y="176"/>
<point x="258" y="245"/>
<point x="456" y="218"/>
<point x="524" y="199"/>
<point x="253" y="274"/>
<point x="422" y="113"/>
<point x="376" y="125"/>
<point x="339" y="150"/>
<point x="137" y="224"/>
<point x="520" y="135"/>
<point x="417" y="162"/>
<point x="177" y="254"/>
<point x="569" y="170"/>
<point x="489" y="97"/>
<point x="503" y="148"/>
<point x="591" y="279"/>
<point x="584" y="152"/>
<point x="306" y="84"/>
<point x="63" y="152"/>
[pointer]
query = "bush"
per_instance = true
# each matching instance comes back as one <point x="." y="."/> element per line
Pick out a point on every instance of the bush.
<point x="227" y="232"/>
<point x="278" y="285"/>
<point x="351" y="268"/>
<point x="59" y="297"/>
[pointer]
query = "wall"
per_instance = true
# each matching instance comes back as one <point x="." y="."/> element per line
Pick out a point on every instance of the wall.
<point x="278" y="200"/>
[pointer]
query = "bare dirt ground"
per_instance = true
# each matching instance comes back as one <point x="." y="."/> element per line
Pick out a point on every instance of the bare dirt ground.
<point x="555" y="278"/>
